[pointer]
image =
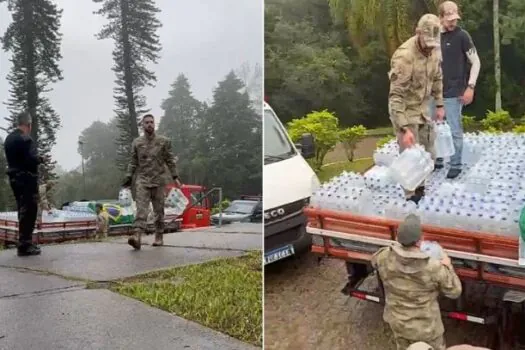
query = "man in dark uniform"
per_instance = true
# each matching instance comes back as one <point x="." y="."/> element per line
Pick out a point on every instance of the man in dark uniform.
<point x="23" y="161"/>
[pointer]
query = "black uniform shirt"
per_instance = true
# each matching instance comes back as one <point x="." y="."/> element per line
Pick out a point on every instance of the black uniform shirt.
<point x="21" y="153"/>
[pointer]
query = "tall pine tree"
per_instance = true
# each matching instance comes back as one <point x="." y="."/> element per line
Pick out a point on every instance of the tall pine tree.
<point x="133" y="26"/>
<point x="234" y="140"/>
<point x="33" y="39"/>
<point x="182" y="122"/>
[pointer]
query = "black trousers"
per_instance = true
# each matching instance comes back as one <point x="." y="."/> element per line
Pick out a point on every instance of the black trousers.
<point x="25" y="189"/>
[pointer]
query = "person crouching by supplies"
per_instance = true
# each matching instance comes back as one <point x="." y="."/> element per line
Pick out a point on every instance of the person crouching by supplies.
<point x="102" y="222"/>
<point x="412" y="282"/>
<point x="424" y="346"/>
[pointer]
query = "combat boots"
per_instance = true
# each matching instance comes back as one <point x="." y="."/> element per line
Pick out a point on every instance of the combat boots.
<point x="134" y="240"/>
<point x="158" y="240"/>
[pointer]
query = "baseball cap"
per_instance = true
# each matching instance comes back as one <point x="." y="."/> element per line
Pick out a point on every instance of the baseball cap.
<point x="449" y="11"/>
<point x="420" y="346"/>
<point x="409" y="231"/>
<point x="429" y="29"/>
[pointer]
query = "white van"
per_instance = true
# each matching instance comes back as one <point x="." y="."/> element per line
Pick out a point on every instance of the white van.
<point x="288" y="183"/>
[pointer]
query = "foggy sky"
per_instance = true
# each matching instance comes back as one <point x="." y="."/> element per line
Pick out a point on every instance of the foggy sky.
<point x="204" y="39"/>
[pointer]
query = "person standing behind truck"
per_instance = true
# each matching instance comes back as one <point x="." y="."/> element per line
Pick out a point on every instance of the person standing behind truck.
<point x="412" y="282"/>
<point x="150" y="155"/>
<point x="44" y="200"/>
<point x="458" y="52"/>
<point x="102" y="222"/>
<point x="23" y="161"/>
<point x="415" y="76"/>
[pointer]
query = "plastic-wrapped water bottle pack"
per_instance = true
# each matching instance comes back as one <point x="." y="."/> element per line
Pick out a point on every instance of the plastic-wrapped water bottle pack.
<point x="487" y="196"/>
<point x="177" y="201"/>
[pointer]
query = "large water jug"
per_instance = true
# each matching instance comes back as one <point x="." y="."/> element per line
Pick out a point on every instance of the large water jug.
<point x="444" y="145"/>
<point x="412" y="167"/>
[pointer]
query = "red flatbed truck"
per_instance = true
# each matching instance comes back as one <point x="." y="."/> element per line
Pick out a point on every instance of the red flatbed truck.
<point x="481" y="259"/>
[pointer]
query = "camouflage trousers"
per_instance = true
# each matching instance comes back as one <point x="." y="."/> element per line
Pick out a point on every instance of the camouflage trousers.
<point x="436" y="344"/>
<point x="424" y="134"/>
<point x="25" y="190"/>
<point x="145" y="195"/>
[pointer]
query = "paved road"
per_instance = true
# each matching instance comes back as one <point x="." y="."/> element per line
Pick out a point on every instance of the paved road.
<point x="40" y="309"/>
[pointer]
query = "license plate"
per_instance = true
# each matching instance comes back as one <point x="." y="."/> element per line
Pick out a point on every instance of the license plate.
<point x="278" y="254"/>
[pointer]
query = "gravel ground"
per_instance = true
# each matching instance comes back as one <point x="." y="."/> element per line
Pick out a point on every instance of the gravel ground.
<point x="303" y="309"/>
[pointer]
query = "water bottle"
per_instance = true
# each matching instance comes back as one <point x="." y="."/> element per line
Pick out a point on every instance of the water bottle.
<point x="412" y="167"/>
<point x="444" y="144"/>
<point x="433" y="249"/>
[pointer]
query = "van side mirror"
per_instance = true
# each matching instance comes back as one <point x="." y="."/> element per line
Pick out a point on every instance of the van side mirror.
<point x="306" y="146"/>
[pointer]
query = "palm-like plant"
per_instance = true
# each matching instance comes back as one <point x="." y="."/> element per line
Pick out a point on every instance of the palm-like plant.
<point x="392" y="21"/>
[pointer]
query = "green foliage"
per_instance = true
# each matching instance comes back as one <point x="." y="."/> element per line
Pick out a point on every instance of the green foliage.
<point x="33" y="40"/>
<point x="384" y="140"/>
<point x="349" y="137"/>
<point x="306" y="67"/>
<point x="497" y="121"/>
<point x="182" y="122"/>
<point x="324" y="127"/>
<point x="470" y="124"/>
<point x="224" y="294"/>
<point x="222" y="205"/>
<point x="519" y="129"/>
<point x="231" y="141"/>
<point x="367" y="32"/>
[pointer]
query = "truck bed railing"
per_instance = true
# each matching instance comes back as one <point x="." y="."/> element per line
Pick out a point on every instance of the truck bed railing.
<point x="481" y="248"/>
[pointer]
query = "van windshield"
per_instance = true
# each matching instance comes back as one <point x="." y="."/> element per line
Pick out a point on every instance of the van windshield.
<point x="277" y="146"/>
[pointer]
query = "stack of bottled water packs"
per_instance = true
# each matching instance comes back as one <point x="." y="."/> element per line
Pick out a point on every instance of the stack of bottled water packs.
<point x="487" y="196"/>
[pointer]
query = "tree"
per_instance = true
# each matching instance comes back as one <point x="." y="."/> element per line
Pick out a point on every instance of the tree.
<point x="350" y="137"/>
<point x="232" y="131"/>
<point x="497" y="57"/>
<point x="182" y="122"/>
<point x="306" y="70"/>
<point x="324" y="127"/>
<point x="133" y="26"/>
<point x="392" y="21"/>
<point x="33" y="39"/>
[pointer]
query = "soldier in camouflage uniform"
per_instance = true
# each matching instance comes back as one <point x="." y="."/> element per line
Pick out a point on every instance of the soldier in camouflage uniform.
<point x="415" y="76"/>
<point x="412" y="282"/>
<point x="151" y="153"/>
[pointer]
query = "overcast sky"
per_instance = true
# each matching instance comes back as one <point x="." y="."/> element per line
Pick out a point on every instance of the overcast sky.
<point x="203" y="39"/>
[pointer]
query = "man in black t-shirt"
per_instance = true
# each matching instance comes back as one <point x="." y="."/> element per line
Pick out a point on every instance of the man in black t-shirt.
<point x="460" y="65"/>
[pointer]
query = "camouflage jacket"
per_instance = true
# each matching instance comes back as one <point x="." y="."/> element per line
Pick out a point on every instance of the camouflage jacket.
<point x="102" y="222"/>
<point x="412" y="282"/>
<point x="414" y="78"/>
<point x="149" y="158"/>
